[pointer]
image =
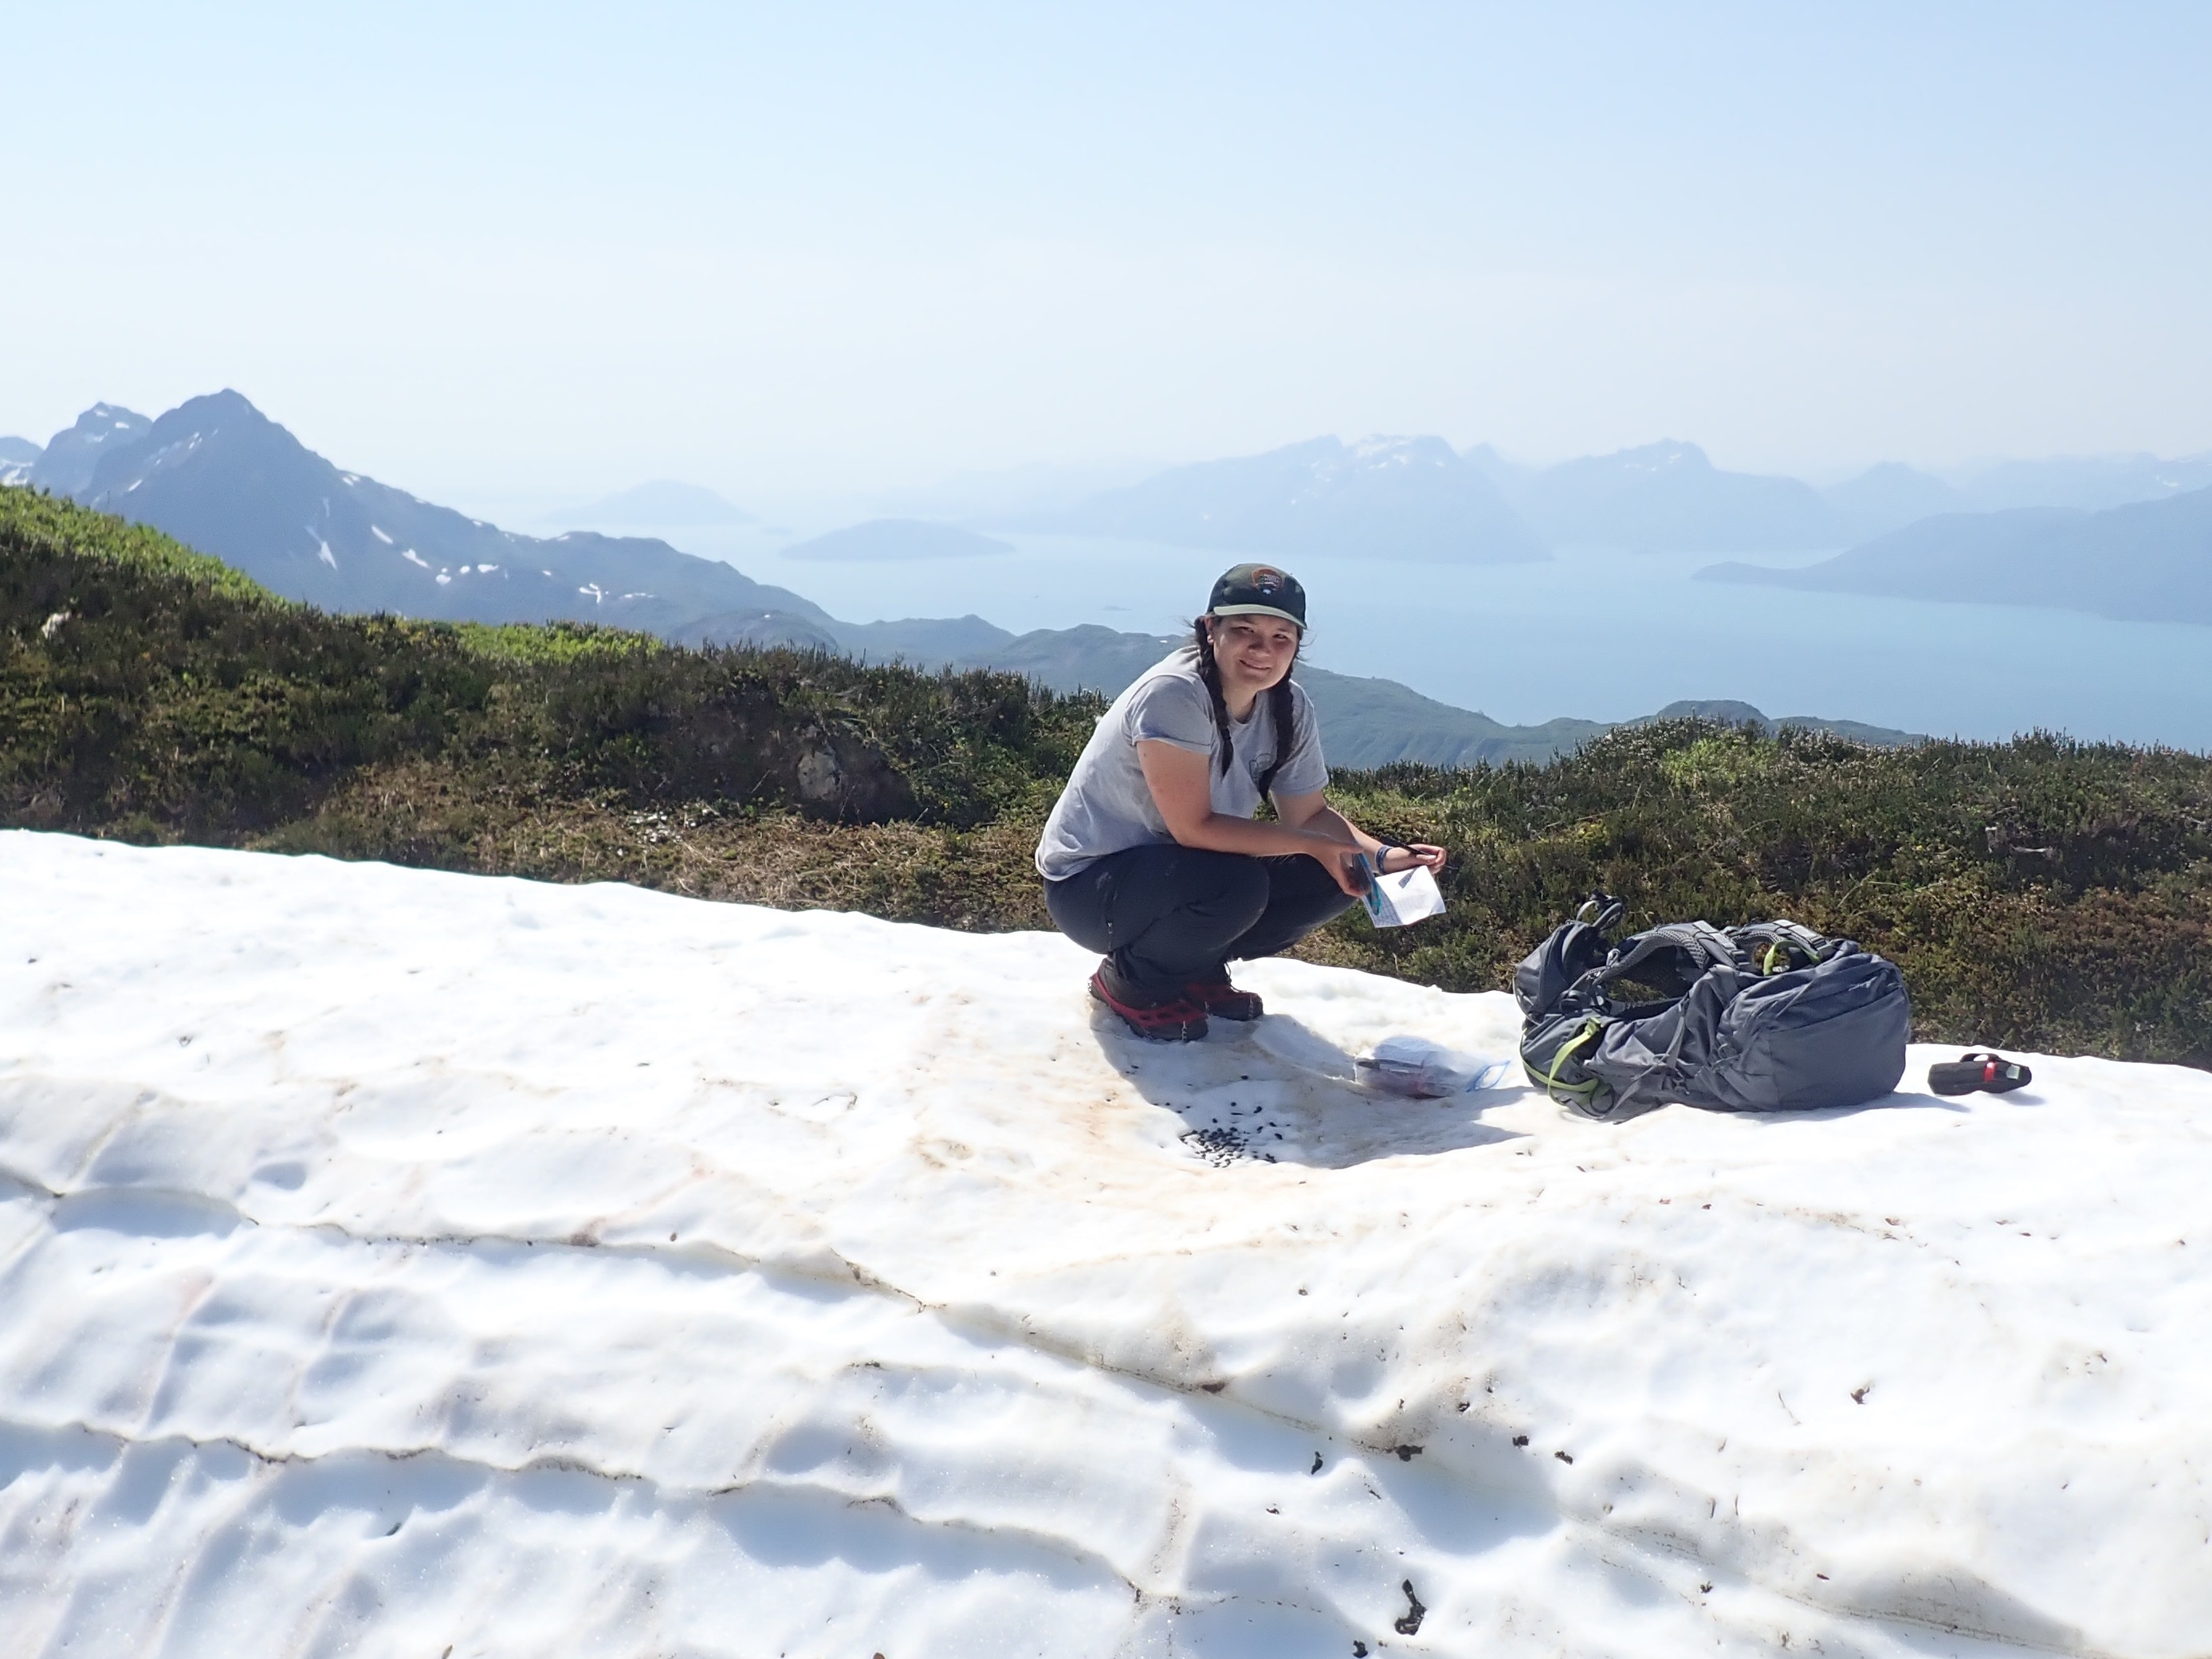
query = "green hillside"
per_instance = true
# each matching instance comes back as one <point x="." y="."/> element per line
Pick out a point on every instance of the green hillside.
<point x="2037" y="894"/>
<point x="1366" y="722"/>
<point x="149" y="693"/>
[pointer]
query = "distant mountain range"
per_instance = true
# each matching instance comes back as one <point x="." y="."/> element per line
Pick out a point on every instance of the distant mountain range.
<point x="1392" y="499"/>
<point x="1417" y="499"/>
<point x="1382" y="498"/>
<point x="2147" y="562"/>
<point x="220" y="475"/>
<point x="17" y="457"/>
<point x="65" y="466"/>
<point x="2086" y="483"/>
<point x="1665" y="497"/>
<point x="1888" y="496"/>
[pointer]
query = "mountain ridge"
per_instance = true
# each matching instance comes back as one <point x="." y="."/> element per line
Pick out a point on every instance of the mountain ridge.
<point x="219" y="475"/>
<point x="1400" y="499"/>
<point x="17" y="457"/>
<point x="66" y="464"/>
<point x="2145" y="562"/>
<point x="1667" y="497"/>
<point x="1889" y="496"/>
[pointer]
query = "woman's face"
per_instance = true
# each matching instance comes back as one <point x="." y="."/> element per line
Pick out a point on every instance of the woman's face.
<point x="1253" y="652"/>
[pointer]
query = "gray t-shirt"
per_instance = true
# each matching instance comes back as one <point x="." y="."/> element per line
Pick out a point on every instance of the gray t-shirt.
<point x="1108" y="807"/>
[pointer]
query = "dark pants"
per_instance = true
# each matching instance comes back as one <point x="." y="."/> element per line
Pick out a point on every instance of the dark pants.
<point x="1167" y="916"/>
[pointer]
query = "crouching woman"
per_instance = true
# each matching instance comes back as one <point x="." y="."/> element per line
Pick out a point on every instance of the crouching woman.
<point x="1152" y="856"/>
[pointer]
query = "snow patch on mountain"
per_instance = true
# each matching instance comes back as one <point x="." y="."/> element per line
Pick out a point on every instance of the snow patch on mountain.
<point x="18" y="456"/>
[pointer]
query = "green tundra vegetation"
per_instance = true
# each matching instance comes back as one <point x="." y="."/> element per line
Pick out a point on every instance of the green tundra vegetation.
<point x="2037" y="894"/>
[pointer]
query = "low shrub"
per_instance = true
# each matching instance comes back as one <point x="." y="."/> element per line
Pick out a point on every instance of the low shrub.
<point x="2040" y="893"/>
<point x="149" y="691"/>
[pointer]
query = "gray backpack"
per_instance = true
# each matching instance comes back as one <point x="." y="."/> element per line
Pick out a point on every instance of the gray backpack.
<point x="1771" y="1018"/>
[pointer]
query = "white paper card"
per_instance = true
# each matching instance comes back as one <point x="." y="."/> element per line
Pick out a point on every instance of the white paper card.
<point x="1408" y="896"/>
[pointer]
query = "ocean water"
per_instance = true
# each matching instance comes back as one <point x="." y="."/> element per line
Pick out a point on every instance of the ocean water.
<point x="1604" y="635"/>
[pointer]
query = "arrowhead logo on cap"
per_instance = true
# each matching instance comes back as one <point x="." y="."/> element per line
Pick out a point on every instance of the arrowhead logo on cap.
<point x="1259" y="590"/>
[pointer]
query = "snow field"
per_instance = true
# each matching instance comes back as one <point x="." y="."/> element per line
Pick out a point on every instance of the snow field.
<point x="392" y="1260"/>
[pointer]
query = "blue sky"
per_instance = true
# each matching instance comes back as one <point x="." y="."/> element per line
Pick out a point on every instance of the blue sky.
<point x="841" y="246"/>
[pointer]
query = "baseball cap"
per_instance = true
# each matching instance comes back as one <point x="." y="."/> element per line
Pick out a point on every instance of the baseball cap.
<point x="1258" y="590"/>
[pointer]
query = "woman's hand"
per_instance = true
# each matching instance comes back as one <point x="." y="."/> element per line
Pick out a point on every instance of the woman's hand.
<point x="1416" y="853"/>
<point x="1342" y="859"/>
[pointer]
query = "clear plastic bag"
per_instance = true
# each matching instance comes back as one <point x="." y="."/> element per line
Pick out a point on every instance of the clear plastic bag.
<point x="1423" y="1069"/>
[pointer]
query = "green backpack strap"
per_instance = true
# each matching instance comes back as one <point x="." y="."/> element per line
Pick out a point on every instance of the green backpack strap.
<point x="1770" y="947"/>
<point x="1551" y="1055"/>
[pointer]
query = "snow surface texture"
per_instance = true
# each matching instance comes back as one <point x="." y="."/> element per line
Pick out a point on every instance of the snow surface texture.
<point x="395" y="1262"/>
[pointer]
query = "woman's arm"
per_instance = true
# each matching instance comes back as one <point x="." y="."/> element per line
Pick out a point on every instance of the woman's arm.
<point x="1311" y="813"/>
<point x="1184" y="793"/>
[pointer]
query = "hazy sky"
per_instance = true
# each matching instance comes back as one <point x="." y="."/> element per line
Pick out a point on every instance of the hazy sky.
<point x="571" y="247"/>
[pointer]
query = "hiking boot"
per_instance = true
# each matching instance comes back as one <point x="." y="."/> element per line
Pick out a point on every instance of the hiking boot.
<point x="1177" y="1020"/>
<point x="1224" y="1000"/>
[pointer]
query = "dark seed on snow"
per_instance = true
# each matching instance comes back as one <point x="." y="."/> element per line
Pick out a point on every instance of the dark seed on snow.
<point x="1411" y="1624"/>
